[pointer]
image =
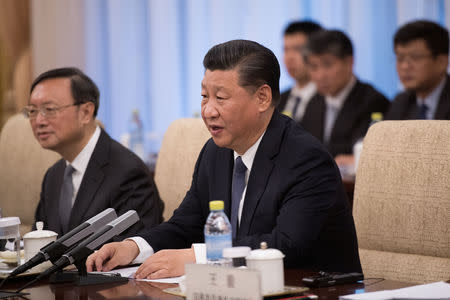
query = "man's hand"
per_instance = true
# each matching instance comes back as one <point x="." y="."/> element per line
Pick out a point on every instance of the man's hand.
<point x="345" y="160"/>
<point x="166" y="263"/>
<point x="112" y="255"/>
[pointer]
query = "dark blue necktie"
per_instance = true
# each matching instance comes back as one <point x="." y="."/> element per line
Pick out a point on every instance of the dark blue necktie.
<point x="65" y="199"/>
<point x="422" y="113"/>
<point x="237" y="189"/>
<point x="294" y="110"/>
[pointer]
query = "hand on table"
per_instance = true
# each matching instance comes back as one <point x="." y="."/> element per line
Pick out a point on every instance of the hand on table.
<point x="112" y="255"/>
<point x="166" y="263"/>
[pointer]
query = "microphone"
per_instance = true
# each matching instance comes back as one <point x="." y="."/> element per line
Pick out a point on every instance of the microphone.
<point x="54" y="250"/>
<point x="85" y="248"/>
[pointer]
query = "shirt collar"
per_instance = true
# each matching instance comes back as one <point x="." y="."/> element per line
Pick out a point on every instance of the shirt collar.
<point x="81" y="161"/>
<point x="433" y="98"/>
<point x="305" y="92"/>
<point x="338" y="100"/>
<point x="249" y="156"/>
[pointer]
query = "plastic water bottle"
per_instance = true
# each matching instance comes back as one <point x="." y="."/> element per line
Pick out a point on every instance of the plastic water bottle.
<point x="217" y="234"/>
<point x="136" y="142"/>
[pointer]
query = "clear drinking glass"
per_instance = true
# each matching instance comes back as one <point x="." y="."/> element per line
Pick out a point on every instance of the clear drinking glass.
<point x="9" y="242"/>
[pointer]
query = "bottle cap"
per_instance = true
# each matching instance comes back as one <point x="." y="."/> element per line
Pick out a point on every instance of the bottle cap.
<point x="39" y="233"/>
<point x="376" y="116"/>
<point x="216" y="205"/>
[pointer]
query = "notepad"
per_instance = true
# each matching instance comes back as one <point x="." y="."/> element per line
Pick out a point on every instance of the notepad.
<point x="129" y="273"/>
<point x="432" y="291"/>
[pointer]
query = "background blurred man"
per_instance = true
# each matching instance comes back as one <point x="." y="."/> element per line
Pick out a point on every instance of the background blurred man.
<point x="340" y="113"/>
<point x="421" y="48"/>
<point x="294" y="101"/>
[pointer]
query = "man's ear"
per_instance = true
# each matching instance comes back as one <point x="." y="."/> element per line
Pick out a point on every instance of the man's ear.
<point x="87" y="111"/>
<point x="264" y="97"/>
<point x="443" y="62"/>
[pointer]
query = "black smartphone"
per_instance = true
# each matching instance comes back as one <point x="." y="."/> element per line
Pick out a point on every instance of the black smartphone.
<point x="329" y="279"/>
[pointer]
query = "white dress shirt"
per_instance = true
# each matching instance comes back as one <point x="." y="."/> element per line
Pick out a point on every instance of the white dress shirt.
<point x="333" y="107"/>
<point x="305" y="94"/>
<point x="432" y="100"/>
<point x="145" y="250"/>
<point x="81" y="162"/>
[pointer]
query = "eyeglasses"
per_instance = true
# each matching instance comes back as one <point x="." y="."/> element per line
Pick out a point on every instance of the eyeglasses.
<point x="412" y="58"/>
<point x="47" y="111"/>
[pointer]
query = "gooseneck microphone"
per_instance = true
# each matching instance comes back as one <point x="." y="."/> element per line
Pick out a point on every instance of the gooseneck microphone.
<point x="55" y="249"/>
<point x="85" y="248"/>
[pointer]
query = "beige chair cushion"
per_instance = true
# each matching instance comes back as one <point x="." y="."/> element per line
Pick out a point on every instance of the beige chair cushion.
<point x="402" y="200"/>
<point x="23" y="165"/>
<point x="403" y="267"/>
<point x="180" y="147"/>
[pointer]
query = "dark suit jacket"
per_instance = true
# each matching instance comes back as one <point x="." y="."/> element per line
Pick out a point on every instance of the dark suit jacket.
<point x="114" y="177"/>
<point x="283" y="100"/>
<point x="294" y="201"/>
<point x="352" y="121"/>
<point x="404" y="106"/>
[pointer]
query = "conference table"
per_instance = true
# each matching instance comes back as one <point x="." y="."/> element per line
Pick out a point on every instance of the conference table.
<point x="150" y="290"/>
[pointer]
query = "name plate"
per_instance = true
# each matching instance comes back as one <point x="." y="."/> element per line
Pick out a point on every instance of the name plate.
<point x="220" y="283"/>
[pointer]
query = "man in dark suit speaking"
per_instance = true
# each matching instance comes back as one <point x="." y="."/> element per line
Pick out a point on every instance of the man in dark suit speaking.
<point x="293" y="197"/>
<point x="96" y="172"/>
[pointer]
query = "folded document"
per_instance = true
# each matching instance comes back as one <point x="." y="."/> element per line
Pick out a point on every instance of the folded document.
<point x="431" y="291"/>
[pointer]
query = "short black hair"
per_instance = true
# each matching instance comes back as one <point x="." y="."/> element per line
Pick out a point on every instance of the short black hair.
<point x="305" y="27"/>
<point x="333" y="42"/>
<point x="257" y="65"/>
<point x="82" y="87"/>
<point x="434" y="35"/>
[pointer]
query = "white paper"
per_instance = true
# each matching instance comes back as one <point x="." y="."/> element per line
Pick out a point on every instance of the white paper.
<point x="129" y="273"/>
<point x="436" y="290"/>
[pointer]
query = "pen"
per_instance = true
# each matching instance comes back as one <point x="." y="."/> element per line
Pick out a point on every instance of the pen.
<point x="304" y="297"/>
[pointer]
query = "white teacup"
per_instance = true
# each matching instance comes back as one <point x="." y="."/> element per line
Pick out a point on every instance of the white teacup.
<point x="269" y="262"/>
<point x="35" y="240"/>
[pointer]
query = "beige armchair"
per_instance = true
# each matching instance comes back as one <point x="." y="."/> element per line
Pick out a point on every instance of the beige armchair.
<point x="402" y="201"/>
<point x="180" y="147"/>
<point x="23" y="165"/>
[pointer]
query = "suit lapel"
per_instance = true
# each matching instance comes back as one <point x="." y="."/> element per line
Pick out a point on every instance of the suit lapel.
<point x="346" y="115"/>
<point x="411" y="110"/>
<point x="315" y="116"/>
<point x="261" y="169"/>
<point x="92" y="179"/>
<point x="54" y="193"/>
<point x="221" y="187"/>
<point x="443" y="108"/>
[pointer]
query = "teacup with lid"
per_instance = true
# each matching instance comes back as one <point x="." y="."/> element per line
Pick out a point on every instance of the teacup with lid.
<point x="269" y="262"/>
<point x="35" y="240"/>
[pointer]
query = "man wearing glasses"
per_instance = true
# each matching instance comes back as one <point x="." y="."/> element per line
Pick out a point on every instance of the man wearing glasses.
<point x="95" y="172"/>
<point x="422" y="49"/>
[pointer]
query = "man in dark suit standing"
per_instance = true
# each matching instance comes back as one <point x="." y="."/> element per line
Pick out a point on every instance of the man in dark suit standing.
<point x="293" y="197"/>
<point x="293" y="102"/>
<point x="95" y="172"/>
<point x="422" y="48"/>
<point x="340" y="113"/>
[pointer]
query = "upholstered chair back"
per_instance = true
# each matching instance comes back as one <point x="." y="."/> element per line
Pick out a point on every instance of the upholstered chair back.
<point x="402" y="201"/>
<point x="180" y="147"/>
<point x="23" y="165"/>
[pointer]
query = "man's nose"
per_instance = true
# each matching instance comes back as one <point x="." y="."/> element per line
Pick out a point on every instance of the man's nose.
<point x="210" y="110"/>
<point x="318" y="75"/>
<point x="40" y="119"/>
